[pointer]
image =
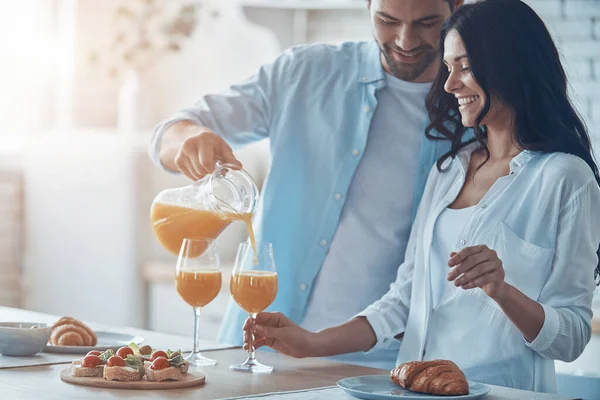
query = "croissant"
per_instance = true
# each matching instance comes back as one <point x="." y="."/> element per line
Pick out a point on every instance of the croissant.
<point x="69" y="331"/>
<point x="437" y="377"/>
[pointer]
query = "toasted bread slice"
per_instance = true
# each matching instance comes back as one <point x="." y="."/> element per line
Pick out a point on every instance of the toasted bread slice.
<point x="82" y="372"/>
<point x="171" y="373"/>
<point x="147" y="365"/>
<point x="123" y="374"/>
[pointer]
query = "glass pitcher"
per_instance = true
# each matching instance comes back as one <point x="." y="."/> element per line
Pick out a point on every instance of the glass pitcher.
<point x="205" y="208"/>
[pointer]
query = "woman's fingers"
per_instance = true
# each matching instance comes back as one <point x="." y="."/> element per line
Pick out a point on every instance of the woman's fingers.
<point x="468" y="263"/>
<point x="494" y="276"/>
<point x="459" y="257"/>
<point x="258" y="343"/>
<point x="474" y="273"/>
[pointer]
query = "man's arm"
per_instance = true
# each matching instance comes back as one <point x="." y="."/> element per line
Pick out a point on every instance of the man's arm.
<point x="193" y="150"/>
<point x="173" y="139"/>
<point x="197" y="136"/>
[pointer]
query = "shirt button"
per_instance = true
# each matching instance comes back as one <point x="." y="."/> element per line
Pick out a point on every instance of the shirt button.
<point x="367" y="109"/>
<point x="463" y="242"/>
<point x="364" y="79"/>
<point x="338" y="196"/>
<point x="323" y="242"/>
<point x="355" y="152"/>
<point x="483" y="205"/>
<point x="303" y="287"/>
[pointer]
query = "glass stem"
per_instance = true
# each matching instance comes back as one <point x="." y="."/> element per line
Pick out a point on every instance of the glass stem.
<point x="251" y="350"/>
<point x="197" y="330"/>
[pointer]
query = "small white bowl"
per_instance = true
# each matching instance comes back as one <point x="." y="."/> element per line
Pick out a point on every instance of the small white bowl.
<point x="21" y="339"/>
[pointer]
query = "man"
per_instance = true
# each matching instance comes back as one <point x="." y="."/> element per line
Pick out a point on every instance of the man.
<point x="349" y="161"/>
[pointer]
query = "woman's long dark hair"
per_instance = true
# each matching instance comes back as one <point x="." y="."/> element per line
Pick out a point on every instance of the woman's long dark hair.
<point x="512" y="57"/>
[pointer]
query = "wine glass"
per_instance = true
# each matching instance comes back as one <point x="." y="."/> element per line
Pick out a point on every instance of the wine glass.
<point x="253" y="287"/>
<point x="198" y="281"/>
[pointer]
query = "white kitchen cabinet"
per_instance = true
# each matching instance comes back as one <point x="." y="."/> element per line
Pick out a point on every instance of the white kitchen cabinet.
<point x="81" y="249"/>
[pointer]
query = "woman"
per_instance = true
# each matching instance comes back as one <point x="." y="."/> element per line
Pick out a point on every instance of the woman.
<point x="502" y="260"/>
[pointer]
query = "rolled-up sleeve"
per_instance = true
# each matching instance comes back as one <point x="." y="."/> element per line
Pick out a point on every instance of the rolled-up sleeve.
<point x="567" y="295"/>
<point x="241" y="114"/>
<point x="388" y="315"/>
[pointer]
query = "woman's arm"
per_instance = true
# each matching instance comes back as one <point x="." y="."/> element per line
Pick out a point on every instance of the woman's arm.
<point x="280" y="333"/>
<point x="568" y="292"/>
<point x="527" y="315"/>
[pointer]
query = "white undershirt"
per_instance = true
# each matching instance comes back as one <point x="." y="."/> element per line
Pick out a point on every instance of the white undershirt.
<point x="448" y="228"/>
<point x="373" y="231"/>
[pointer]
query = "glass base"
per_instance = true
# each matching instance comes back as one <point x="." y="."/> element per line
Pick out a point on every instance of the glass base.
<point x="198" y="360"/>
<point x="252" y="366"/>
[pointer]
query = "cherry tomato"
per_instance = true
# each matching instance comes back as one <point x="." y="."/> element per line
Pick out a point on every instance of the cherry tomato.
<point x="158" y="353"/>
<point x="160" y="363"/>
<point x="93" y="353"/>
<point x="91" y="361"/>
<point x="123" y="351"/>
<point x="115" y="361"/>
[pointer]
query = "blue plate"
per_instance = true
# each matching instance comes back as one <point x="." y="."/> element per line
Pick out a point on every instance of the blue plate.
<point x="381" y="387"/>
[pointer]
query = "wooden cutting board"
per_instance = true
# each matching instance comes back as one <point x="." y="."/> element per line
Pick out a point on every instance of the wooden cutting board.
<point x="191" y="379"/>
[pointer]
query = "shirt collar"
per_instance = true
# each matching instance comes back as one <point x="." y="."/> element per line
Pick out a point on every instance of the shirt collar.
<point x="521" y="160"/>
<point x="464" y="157"/>
<point x="371" y="70"/>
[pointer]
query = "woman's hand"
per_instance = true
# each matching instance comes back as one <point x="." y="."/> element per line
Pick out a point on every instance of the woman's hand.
<point x="478" y="266"/>
<point x="275" y="330"/>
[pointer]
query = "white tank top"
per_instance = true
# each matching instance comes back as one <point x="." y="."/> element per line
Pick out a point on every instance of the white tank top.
<point x="447" y="229"/>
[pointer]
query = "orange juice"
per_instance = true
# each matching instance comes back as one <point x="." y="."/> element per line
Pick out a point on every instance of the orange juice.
<point x="198" y="287"/>
<point x="172" y="224"/>
<point x="254" y="290"/>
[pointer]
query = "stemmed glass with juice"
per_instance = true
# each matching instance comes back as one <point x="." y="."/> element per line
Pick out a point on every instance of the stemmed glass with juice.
<point x="253" y="287"/>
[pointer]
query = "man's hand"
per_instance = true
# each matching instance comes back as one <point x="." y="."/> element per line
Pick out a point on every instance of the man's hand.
<point x="199" y="153"/>
<point x="275" y="330"/>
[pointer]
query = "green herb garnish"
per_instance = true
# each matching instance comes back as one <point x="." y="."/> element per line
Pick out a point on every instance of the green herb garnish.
<point x="171" y="353"/>
<point x="177" y="361"/>
<point x="106" y="355"/>
<point x="133" y="362"/>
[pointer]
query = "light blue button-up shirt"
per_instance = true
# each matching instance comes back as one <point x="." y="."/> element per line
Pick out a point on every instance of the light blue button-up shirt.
<point x="315" y="104"/>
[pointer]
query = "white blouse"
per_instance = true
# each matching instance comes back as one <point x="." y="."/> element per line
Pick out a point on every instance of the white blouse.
<point x="543" y="220"/>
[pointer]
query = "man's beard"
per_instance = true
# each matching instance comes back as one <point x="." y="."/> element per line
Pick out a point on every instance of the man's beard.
<point x="409" y="71"/>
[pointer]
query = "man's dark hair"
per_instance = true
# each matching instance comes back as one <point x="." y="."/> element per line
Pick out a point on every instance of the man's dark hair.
<point x="451" y="4"/>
